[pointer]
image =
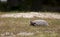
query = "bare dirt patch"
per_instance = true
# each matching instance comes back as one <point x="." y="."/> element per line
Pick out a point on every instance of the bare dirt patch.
<point x="31" y="15"/>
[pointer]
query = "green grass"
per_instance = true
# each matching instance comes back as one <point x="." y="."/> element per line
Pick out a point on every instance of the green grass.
<point x="16" y="25"/>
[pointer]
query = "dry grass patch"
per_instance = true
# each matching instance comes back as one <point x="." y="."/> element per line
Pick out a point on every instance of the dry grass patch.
<point x="16" y="25"/>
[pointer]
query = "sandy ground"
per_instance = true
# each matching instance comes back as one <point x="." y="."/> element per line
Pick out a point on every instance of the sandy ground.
<point x="27" y="15"/>
<point x="32" y="15"/>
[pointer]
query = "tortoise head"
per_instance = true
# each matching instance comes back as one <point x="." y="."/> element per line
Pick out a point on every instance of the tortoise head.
<point x="32" y="23"/>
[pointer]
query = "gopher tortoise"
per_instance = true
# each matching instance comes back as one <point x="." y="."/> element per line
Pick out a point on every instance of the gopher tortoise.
<point x="39" y="23"/>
